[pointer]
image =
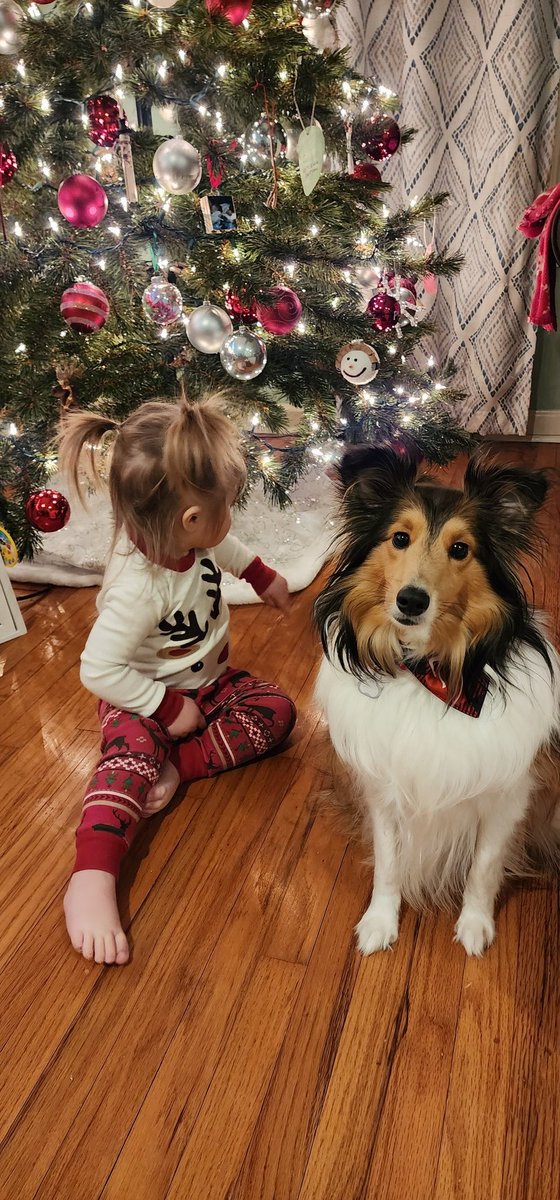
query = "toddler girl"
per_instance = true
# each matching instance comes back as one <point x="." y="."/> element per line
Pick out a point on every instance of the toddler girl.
<point x="171" y="708"/>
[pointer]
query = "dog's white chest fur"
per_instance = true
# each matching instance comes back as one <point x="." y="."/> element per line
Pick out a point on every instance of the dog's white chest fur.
<point x="432" y="779"/>
<point x="396" y="732"/>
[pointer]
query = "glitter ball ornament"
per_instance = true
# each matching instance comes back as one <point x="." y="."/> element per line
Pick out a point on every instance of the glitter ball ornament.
<point x="207" y="328"/>
<point x="257" y="141"/>
<point x="47" y="510"/>
<point x="82" y="201"/>
<point x="384" y="311"/>
<point x="234" y="11"/>
<point x="243" y="355"/>
<point x="103" y="117"/>
<point x="8" y="548"/>
<point x="8" y="165"/>
<point x="84" y="307"/>
<point x="313" y="8"/>
<point x="162" y="302"/>
<point x="241" y="307"/>
<point x="11" y="32"/>
<point x="177" y="166"/>
<point x="367" y="172"/>
<point x="379" y="137"/>
<point x="278" y="310"/>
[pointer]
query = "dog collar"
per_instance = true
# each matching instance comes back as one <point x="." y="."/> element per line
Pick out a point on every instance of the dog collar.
<point x="426" y="672"/>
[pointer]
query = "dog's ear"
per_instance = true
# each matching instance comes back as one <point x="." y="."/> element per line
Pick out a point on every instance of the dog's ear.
<point x="377" y="469"/>
<point x="512" y="495"/>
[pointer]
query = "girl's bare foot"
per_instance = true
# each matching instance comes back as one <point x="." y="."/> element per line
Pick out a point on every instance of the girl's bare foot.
<point x="163" y="791"/>
<point x="92" y="917"/>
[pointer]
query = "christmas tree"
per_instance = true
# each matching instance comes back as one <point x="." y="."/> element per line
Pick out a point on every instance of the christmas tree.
<point x="191" y="199"/>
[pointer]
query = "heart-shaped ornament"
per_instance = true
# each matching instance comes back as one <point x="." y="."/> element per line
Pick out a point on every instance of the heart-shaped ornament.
<point x="311" y="152"/>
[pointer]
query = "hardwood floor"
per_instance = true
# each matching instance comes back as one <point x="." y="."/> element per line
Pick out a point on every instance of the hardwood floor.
<point x="248" y="1052"/>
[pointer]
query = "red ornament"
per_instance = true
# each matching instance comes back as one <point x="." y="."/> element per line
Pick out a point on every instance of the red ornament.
<point x="103" y="116"/>
<point x="241" y="308"/>
<point x="82" y="201"/>
<point x="366" y="172"/>
<point x="278" y="310"/>
<point x="380" y="137"/>
<point x="234" y="11"/>
<point x="47" y="510"/>
<point x="84" y="307"/>
<point x="8" y="165"/>
<point x="384" y="311"/>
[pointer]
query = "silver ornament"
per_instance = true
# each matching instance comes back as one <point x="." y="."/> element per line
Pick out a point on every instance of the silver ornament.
<point x="313" y="8"/>
<point x="11" y="31"/>
<point x="257" y="141"/>
<point x="365" y="275"/>
<point x="291" y="135"/>
<point x="243" y="355"/>
<point x="208" y="327"/>
<point x="162" y="3"/>
<point x="177" y="166"/>
<point x="320" y="32"/>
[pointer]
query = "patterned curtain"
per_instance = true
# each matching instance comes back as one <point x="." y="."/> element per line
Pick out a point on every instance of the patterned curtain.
<point x="479" y="81"/>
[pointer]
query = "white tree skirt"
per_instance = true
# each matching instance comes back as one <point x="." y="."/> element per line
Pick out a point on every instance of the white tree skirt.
<point x="295" y="540"/>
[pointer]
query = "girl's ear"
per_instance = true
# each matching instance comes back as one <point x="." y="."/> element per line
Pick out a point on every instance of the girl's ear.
<point x="190" y="517"/>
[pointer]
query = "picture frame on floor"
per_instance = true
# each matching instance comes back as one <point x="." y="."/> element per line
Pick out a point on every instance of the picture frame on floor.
<point x="12" y="624"/>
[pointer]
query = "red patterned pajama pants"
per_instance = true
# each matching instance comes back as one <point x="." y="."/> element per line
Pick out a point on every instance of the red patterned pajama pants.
<point x="246" y="718"/>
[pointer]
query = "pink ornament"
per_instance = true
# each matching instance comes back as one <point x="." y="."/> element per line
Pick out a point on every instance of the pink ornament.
<point x="84" y="307"/>
<point x="8" y="164"/>
<point x="234" y="11"/>
<point x="82" y="201"/>
<point x="429" y="280"/>
<point x="279" y="310"/>
<point x="384" y="311"/>
<point x="380" y="137"/>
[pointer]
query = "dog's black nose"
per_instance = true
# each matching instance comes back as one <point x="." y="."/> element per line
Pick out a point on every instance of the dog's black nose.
<point x="412" y="601"/>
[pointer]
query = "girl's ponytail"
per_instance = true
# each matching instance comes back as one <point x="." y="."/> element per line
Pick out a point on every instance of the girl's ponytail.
<point x="202" y="449"/>
<point x="82" y="430"/>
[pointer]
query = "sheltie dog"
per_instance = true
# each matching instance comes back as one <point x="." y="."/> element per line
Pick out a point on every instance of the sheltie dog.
<point x="440" y="688"/>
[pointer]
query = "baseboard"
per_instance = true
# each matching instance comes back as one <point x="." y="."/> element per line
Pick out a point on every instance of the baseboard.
<point x="544" y="425"/>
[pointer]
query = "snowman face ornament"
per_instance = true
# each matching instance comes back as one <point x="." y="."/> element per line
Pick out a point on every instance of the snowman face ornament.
<point x="358" y="363"/>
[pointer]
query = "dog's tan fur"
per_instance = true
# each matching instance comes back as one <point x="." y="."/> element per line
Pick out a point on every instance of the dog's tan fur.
<point x="468" y="608"/>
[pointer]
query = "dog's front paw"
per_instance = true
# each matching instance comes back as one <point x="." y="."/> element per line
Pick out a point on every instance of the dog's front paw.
<point x="475" y="930"/>
<point x="379" y="926"/>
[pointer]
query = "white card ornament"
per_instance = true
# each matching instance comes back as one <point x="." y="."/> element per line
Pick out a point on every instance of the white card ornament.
<point x="311" y="152"/>
<point x="358" y="363"/>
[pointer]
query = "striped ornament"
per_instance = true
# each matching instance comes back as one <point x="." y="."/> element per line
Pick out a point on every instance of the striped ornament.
<point x="84" y="307"/>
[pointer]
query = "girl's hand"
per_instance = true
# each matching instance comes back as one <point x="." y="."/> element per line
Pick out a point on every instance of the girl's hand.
<point x="188" y="721"/>
<point x="277" y="594"/>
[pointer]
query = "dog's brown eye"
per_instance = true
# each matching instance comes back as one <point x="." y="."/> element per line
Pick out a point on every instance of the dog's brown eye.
<point x="459" y="550"/>
<point x="401" y="541"/>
